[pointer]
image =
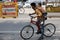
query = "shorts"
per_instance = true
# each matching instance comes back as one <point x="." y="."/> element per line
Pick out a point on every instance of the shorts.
<point x="39" y="20"/>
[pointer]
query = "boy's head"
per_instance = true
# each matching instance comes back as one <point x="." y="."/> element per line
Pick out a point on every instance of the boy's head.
<point x="33" y="5"/>
<point x="39" y="4"/>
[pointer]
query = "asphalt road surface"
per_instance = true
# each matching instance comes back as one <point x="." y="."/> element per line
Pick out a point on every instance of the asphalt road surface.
<point x="10" y="28"/>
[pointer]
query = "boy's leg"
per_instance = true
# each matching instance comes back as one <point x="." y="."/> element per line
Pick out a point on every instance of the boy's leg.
<point x="38" y="26"/>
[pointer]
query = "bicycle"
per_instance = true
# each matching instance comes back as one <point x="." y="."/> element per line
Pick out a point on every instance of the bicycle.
<point x="28" y="31"/>
<point x="21" y="10"/>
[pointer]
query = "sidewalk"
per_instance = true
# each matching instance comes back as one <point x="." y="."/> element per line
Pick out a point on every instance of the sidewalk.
<point x="50" y="14"/>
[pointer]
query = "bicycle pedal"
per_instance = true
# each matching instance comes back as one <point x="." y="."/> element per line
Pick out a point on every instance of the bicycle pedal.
<point x="38" y="32"/>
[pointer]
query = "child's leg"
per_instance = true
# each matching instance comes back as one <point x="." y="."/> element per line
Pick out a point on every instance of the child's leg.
<point x="38" y="24"/>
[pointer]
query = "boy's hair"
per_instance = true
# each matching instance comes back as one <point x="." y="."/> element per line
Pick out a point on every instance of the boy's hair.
<point x="40" y="4"/>
<point x="33" y="4"/>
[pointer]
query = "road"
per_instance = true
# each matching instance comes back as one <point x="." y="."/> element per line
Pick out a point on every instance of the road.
<point x="10" y="28"/>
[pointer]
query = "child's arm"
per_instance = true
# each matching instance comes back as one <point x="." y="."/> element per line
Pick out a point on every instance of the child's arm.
<point x="38" y="12"/>
<point x="42" y="9"/>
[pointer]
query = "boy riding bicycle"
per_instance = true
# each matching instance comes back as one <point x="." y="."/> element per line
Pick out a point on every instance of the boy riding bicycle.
<point x="39" y="12"/>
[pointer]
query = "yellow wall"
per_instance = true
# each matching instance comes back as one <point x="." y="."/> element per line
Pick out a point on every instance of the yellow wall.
<point x="13" y="3"/>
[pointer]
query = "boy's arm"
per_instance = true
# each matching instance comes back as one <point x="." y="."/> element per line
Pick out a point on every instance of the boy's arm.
<point x="32" y="14"/>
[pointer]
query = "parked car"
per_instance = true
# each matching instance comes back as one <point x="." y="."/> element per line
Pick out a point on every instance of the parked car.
<point x="49" y="5"/>
<point x="27" y="5"/>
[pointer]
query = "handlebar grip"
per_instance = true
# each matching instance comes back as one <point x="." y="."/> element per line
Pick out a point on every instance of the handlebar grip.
<point x="31" y="16"/>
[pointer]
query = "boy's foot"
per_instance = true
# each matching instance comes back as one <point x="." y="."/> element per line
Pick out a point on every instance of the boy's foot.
<point x="38" y="32"/>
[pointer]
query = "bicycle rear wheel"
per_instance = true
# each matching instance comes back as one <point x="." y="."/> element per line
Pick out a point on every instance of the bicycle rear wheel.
<point x="27" y="32"/>
<point x="49" y="30"/>
<point x="21" y="10"/>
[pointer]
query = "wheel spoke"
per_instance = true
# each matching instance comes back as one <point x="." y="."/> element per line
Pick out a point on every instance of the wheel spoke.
<point x="49" y="30"/>
<point x="28" y="32"/>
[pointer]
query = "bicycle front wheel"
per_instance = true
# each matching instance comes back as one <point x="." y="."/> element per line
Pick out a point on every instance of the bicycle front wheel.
<point x="27" y="32"/>
<point x="49" y="30"/>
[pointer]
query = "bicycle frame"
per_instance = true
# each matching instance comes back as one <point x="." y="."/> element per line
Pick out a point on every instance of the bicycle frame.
<point x="32" y="30"/>
<point x="32" y="21"/>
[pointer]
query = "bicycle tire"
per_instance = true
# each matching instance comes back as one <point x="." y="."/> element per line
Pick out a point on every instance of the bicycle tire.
<point x="21" y="10"/>
<point x="52" y="32"/>
<point x="24" y="28"/>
